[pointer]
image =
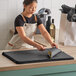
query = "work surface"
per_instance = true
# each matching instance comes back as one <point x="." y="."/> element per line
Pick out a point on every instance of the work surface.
<point x="34" y="56"/>
<point x="6" y="64"/>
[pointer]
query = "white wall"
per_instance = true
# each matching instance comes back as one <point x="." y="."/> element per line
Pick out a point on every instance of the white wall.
<point x="9" y="9"/>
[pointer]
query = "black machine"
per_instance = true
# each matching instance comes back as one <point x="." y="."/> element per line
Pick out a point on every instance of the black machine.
<point x="70" y="11"/>
<point x="43" y="12"/>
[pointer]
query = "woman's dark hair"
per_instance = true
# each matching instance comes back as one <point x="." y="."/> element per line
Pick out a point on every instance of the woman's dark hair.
<point x="27" y="2"/>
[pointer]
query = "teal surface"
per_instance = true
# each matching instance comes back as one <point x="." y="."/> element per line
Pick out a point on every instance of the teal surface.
<point x="65" y="70"/>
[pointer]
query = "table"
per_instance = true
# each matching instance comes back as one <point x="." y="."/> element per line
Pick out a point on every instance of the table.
<point x="54" y="68"/>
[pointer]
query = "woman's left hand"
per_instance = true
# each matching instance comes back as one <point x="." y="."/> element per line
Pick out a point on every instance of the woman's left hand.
<point x="54" y="45"/>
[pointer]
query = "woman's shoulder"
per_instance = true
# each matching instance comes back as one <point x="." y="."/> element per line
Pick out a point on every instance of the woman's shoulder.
<point x="39" y="21"/>
<point x="19" y="21"/>
<point x="19" y="17"/>
<point x="36" y="15"/>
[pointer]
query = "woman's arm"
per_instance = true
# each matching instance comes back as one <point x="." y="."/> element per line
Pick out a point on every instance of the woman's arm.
<point x="26" y="39"/>
<point x="46" y="35"/>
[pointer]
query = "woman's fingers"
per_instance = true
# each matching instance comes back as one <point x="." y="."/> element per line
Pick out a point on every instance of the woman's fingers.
<point x="41" y="48"/>
<point x="54" y="45"/>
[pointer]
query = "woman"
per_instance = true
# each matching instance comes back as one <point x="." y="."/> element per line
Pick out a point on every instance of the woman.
<point x="25" y="27"/>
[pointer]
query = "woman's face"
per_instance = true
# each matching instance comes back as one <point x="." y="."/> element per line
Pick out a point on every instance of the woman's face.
<point x="31" y="8"/>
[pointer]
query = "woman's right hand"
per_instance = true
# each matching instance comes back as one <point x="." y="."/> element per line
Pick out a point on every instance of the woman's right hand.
<point x="40" y="47"/>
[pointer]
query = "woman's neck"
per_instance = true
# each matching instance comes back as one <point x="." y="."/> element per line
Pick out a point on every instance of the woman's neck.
<point x="26" y="14"/>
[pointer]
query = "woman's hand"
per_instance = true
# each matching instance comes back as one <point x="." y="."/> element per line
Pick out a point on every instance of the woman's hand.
<point x="40" y="47"/>
<point x="54" y="45"/>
